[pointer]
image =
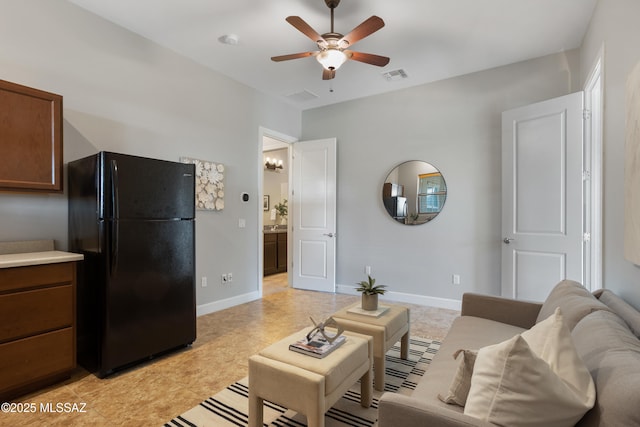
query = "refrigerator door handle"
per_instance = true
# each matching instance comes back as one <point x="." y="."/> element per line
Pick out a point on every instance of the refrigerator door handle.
<point x="115" y="210"/>
<point x="115" y="197"/>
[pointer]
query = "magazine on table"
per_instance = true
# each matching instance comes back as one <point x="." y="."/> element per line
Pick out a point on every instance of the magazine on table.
<point x="317" y="347"/>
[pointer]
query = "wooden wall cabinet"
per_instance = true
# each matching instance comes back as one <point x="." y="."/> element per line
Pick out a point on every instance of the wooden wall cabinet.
<point x="275" y="253"/>
<point x="37" y="326"/>
<point x="30" y="139"/>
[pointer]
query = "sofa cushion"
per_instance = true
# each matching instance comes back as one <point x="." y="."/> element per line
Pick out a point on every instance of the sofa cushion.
<point x="465" y="332"/>
<point x="619" y="306"/>
<point x="574" y="300"/>
<point x="612" y="354"/>
<point x="512" y="386"/>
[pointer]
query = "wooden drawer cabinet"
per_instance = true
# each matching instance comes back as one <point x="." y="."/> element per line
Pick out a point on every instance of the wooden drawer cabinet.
<point x="35" y="311"/>
<point x="37" y="326"/>
<point x="30" y="361"/>
<point x="270" y="254"/>
<point x="282" y="252"/>
<point x="275" y="253"/>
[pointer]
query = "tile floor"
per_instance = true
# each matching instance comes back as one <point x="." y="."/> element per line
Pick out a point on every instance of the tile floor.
<point x="154" y="392"/>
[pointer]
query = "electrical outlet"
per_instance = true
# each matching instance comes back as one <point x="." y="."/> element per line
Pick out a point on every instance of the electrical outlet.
<point x="229" y="277"/>
<point x="203" y="282"/>
<point x="367" y="270"/>
<point x="455" y="279"/>
<point x="224" y="279"/>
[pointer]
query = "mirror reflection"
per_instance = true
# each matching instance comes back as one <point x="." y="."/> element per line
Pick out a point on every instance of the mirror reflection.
<point x="414" y="192"/>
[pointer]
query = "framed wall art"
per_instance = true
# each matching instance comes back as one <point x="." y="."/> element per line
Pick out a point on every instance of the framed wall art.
<point x="209" y="184"/>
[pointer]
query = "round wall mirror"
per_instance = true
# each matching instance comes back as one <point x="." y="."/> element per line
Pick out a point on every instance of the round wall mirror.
<point x="414" y="192"/>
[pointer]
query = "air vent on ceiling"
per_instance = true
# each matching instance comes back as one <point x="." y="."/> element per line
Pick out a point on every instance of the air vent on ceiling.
<point x="395" y="75"/>
<point x="302" y="96"/>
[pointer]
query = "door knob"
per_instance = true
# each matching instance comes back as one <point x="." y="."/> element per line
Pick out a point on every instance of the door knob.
<point x="329" y="234"/>
<point x="507" y="240"/>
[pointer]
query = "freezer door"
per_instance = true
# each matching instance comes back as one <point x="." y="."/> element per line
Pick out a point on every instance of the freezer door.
<point x="150" y="290"/>
<point x="140" y="188"/>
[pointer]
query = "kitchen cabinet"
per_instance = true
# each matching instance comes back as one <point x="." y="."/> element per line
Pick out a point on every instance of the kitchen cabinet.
<point x="275" y="253"/>
<point x="30" y="139"/>
<point x="37" y="322"/>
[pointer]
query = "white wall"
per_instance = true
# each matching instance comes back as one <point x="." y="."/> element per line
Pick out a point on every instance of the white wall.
<point x="455" y="125"/>
<point x="123" y="93"/>
<point x="614" y="25"/>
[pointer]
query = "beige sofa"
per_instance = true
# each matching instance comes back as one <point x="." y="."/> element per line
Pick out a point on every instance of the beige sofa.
<point x="604" y="329"/>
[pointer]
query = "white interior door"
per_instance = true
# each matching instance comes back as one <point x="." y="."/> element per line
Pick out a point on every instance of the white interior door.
<point x="314" y="215"/>
<point x="542" y="196"/>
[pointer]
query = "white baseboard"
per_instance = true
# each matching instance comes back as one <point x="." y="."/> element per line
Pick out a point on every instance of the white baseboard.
<point x="447" y="303"/>
<point x="214" y="306"/>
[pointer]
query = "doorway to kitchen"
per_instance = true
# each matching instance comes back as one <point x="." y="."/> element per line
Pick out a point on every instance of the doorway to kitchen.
<point x="274" y="171"/>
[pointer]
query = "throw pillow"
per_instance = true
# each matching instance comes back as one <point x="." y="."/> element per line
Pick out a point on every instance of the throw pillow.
<point x="461" y="383"/>
<point x="511" y="386"/>
<point x="551" y="341"/>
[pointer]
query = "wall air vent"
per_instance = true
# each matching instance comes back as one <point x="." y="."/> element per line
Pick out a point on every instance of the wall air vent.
<point x="302" y="96"/>
<point x="395" y="75"/>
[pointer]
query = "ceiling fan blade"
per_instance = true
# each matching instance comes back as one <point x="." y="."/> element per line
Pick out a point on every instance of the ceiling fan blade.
<point x="363" y="30"/>
<point x="328" y="74"/>
<point x="304" y="28"/>
<point x="292" y="56"/>
<point x="368" y="58"/>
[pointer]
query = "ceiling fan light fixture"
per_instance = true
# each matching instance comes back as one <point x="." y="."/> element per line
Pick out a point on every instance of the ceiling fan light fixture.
<point x="331" y="59"/>
<point x="333" y="46"/>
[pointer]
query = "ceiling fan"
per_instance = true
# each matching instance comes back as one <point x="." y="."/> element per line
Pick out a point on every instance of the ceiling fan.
<point x="333" y="46"/>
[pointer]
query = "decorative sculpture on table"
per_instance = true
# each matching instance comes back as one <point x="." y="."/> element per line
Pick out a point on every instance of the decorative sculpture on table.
<point x="319" y="328"/>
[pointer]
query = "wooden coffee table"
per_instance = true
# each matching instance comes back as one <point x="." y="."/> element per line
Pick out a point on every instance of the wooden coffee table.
<point x="386" y="330"/>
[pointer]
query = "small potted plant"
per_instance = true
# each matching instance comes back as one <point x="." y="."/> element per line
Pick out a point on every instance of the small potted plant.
<point x="370" y="292"/>
<point x="283" y="210"/>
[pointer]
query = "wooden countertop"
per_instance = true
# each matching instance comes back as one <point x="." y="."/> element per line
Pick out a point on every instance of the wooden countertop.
<point x="37" y="258"/>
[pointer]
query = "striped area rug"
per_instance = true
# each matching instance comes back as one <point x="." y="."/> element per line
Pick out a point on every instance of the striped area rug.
<point x="229" y="407"/>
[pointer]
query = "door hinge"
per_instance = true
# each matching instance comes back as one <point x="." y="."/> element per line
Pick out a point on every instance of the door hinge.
<point x="586" y="237"/>
<point x="586" y="175"/>
<point x="586" y="114"/>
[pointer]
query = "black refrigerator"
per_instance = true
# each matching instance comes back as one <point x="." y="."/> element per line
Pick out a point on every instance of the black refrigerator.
<point x="133" y="219"/>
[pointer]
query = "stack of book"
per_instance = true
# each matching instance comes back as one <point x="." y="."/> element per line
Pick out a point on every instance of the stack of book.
<point x="317" y="347"/>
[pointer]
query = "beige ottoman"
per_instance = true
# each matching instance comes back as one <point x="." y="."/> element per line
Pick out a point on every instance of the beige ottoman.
<point x="386" y="330"/>
<point x="305" y="384"/>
